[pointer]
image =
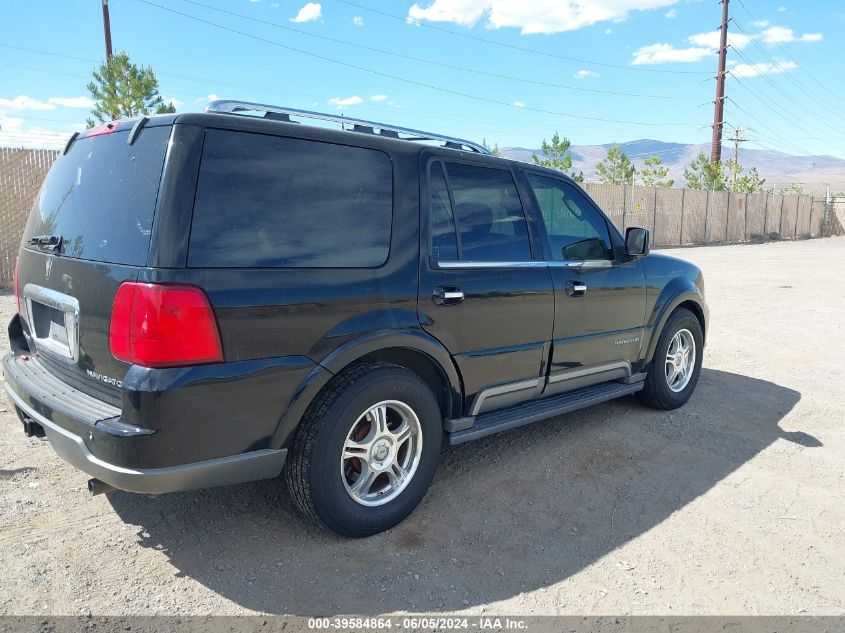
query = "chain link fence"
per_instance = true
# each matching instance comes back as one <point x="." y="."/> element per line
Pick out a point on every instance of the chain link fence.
<point x="675" y="217"/>
<point x="21" y="174"/>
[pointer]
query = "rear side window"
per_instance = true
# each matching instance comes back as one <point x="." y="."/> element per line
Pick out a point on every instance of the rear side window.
<point x="100" y="197"/>
<point x="485" y="213"/>
<point x="273" y="202"/>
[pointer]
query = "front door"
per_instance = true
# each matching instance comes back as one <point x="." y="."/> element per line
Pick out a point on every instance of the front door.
<point x="599" y="296"/>
<point x="482" y="293"/>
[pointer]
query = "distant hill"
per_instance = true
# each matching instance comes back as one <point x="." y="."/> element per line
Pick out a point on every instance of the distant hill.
<point x="778" y="168"/>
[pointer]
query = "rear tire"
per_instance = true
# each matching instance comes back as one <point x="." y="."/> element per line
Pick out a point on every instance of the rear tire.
<point x="673" y="372"/>
<point x="376" y="425"/>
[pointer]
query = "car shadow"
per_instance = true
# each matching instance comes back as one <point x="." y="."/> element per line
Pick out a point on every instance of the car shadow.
<point x="505" y="515"/>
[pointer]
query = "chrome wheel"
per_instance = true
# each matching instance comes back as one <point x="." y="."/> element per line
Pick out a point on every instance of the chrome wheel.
<point x="381" y="453"/>
<point x="680" y="360"/>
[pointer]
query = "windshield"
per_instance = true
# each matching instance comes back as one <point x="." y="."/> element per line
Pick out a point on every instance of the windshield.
<point x="98" y="200"/>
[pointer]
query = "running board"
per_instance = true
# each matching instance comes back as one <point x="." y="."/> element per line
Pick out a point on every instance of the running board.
<point x="535" y="410"/>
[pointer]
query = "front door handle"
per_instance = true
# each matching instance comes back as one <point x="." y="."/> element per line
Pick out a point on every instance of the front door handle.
<point x="447" y="295"/>
<point x="576" y="288"/>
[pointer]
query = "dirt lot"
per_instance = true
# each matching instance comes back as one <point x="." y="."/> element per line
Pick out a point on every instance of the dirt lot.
<point x="734" y="504"/>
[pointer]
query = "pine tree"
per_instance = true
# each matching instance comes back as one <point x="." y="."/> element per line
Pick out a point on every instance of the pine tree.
<point x="654" y="173"/>
<point x="750" y="182"/>
<point x="123" y="90"/>
<point x="616" y="168"/>
<point x="556" y="156"/>
<point x="702" y="174"/>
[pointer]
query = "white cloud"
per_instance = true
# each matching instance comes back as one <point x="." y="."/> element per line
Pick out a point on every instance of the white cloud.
<point x="310" y="12"/>
<point x="72" y="102"/>
<point x="583" y="74"/>
<point x="518" y="104"/>
<point x="176" y="102"/>
<point x="378" y="98"/>
<point x="671" y="14"/>
<point x="781" y="9"/>
<point x="537" y="16"/>
<point x="345" y="102"/>
<point x="358" y="20"/>
<point x="661" y="53"/>
<point x="710" y="39"/>
<point x="761" y="24"/>
<point x="212" y="97"/>
<point x="783" y="35"/>
<point x="763" y="68"/>
<point x="608" y="31"/>
<point x="14" y="134"/>
<point x="22" y="102"/>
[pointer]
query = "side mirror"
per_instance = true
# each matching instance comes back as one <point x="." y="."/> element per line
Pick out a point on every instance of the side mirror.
<point x="636" y="242"/>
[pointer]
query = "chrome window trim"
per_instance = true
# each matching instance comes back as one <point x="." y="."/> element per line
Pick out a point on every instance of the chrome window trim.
<point x="582" y="263"/>
<point x="522" y="385"/>
<point x="471" y="264"/>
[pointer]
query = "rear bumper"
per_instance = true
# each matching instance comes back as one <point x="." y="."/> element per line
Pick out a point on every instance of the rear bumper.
<point x="75" y="424"/>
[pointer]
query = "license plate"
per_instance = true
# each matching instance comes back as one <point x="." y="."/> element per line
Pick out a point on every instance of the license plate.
<point x="53" y="319"/>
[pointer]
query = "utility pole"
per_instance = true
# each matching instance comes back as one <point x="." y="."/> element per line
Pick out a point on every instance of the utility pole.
<point x="107" y="29"/>
<point x="719" y="109"/>
<point x="736" y="139"/>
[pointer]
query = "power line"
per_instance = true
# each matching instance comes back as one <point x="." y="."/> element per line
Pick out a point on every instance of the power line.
<point x="523" y="49"/>
<point x="784" y="51"/>
<point x="777" y="64"/>
<point x="433" y="62"/>
<point x="408" y="80"/>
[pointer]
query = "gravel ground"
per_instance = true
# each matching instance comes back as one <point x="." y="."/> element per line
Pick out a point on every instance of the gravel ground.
<point x="734" y="504"/>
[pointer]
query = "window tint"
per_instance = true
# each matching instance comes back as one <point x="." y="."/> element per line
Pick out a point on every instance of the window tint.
<point x="100" y="197"/>
<point x="488" y="213"/>
<point x="576" y="231"/>
<point x="267" y="201"/>
<point x="444" y="242"/>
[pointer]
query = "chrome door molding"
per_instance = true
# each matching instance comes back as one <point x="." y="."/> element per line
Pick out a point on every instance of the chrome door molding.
<point x="578" y="372"/>
<point x="528" y="386"/>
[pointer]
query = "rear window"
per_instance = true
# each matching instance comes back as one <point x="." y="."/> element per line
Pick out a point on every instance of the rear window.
<point x="100" y="197"/>
<point x="267" y="201"/>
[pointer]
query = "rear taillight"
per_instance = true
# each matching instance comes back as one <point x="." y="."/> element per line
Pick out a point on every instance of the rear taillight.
<point x="159" y="325"/>
<point x="18" y="283"/>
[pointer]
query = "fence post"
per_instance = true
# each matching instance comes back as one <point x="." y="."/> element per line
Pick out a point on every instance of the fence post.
<point x="766" y="217"/>
<point x="797" y="213"/>
<point x="654" y="219"/>
<point x="624" y="205"/>
<point x="683" y="200"/>
<point x="728" y="219"/>
<point x="745" y="230"/>
<point x="706" y="213"/>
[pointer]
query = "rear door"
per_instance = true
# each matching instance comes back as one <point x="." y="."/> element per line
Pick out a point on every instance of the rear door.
<point x="483" y="293"/>
<point x="599" y="295"/>
<point x="89" y="230"/>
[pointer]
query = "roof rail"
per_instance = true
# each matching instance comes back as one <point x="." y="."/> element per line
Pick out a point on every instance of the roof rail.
<point x="279" y="113"/>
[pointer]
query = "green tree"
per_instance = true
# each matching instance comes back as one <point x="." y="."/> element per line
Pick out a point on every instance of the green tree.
<point x="654" y="173"/>
<point x="702" y="174"/>
<point x="616" y="168"/>
<point x="123" y="90"/>
<point x="556" y="156"/>
<point x="493" y="150"/>
<point x="793" y="189"/>
<point x="750" y="182"/>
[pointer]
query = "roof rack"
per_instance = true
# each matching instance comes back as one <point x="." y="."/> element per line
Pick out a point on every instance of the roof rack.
<point x="278" y="113"/>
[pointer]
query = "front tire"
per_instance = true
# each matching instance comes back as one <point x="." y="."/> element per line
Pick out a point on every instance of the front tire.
<point x="366" y="451"/>
<point x="675" y="368"/>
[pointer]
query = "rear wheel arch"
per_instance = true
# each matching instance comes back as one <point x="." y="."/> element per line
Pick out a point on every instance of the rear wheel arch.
<point x="413" y="350"/>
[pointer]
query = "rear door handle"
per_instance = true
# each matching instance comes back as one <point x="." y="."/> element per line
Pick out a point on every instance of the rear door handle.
<point x="576" y="288"/>
<point x="447" y="295"/>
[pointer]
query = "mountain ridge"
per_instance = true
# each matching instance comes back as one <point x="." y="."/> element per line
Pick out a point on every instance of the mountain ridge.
<point x="777" y="167"/>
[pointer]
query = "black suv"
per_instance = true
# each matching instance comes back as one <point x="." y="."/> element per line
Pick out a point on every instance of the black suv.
<point x="226" y="296"/>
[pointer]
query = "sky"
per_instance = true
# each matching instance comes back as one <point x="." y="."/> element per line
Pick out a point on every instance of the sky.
<point x="511" y="72"/>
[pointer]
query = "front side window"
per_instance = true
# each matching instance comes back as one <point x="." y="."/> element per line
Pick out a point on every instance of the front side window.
<point x="486" y="214"/>
<point x="272" y="202"/>
<point x="576" y="230"/>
